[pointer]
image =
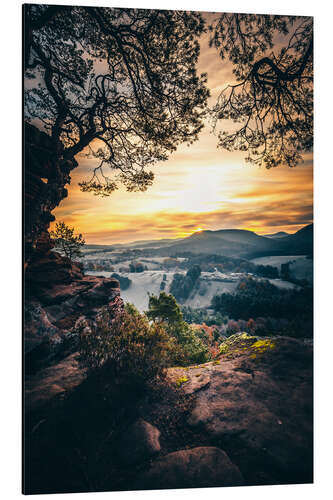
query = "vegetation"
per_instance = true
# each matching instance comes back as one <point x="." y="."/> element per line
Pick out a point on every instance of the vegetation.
<point x="199" y="316"/>
<point x="272" y="96"/>
<point x="260" y="308"/>
<point x="66" y="242"/>
<point x="181" y="381"/>
<point x="124" y="281"/>
<point x="243" y="342"/>
<point x="164" y="309"/>
<point x="224" y="264"/>
<point x="182" y="286"/>
<point x="271" y="272"/>
<point x="254" y="298"/>
<point x="128" y="349"/>
<point x="136" y="267"/>
<point x="190" y="348"/>
<point x="135" y="108"/>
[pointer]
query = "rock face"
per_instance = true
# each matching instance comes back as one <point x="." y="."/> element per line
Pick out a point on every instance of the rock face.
<point x="140" y="442"/>
<point x="200" y="467"/>
<point x="52" y="382"/>
<point x="258" y="405"/>
<point x="57" y="295"/>
<point x="46" y="172"/>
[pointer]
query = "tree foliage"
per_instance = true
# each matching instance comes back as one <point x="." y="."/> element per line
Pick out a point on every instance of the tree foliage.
<point x="66" y="242"/>
<point x="189" y="348"/>
<point x="271" y="100"/>
<point x="259" y="298"/>
<point x="120" y="82"/>
<point x="164" y="308"/>
<point x="182" y="286"/>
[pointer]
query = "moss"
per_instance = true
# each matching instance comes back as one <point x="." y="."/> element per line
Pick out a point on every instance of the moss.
<point x="263" y="345"/>
<point x="224" y="348"/>
<point x="181" y="381"/>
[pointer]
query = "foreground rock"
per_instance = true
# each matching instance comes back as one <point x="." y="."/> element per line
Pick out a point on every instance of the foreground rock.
<point x="256" y="403"/>
<point x="200" y="467"/>
<point x="52" y="382"/>
<point x="140" y="442"/>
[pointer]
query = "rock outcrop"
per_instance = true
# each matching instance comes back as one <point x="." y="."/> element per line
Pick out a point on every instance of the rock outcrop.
<point x="46" y="172"/>
<point x="199" y="467"/>
<point x="245" y="418"/>
<point x="57" y="294"/>
<point x="140" y="442"/>
<point x="256" y="403"/>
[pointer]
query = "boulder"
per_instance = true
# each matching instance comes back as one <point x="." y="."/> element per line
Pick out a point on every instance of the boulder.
<point x="53" y="381"/>
<point x="140" y="442"/>
<point x="200" y="467"/>
<point x="259" y="402"/>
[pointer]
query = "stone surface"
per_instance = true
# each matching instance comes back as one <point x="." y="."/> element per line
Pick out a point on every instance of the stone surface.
<point x="140" y="442"/>
<point x="46" y="172"/>
<point x="57" y="294"/>
<point x="261" y="404"/>
<point x="199" y="467"/>
<point x="52" y="381"/>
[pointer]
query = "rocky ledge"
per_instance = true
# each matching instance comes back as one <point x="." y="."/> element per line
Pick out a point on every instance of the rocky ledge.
<point x="244" y="419"/>
<point x="57" y="294"/>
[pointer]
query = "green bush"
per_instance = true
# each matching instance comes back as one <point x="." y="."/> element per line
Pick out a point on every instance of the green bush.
<point x="128" y="348"/>
<point x="189" y="348"/>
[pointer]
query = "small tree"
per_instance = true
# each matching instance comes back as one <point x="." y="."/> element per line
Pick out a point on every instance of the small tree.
<point x="66" y="242"/>
<point x="164" y="310"/>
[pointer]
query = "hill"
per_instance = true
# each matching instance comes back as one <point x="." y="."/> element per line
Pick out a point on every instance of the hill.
<point x="280" y="234"/>
<point x="243" y="243"/>
<point x="229" y="242"/>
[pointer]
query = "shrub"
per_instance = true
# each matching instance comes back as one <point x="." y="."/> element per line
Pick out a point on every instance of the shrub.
<point x="192" y="348"/>
<point x="129" y="349"/>
<point x="189" y="348"/>
<point x="137" y="267"/>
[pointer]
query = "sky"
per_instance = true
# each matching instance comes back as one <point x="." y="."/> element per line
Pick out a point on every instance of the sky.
<point x="198" y="187"/>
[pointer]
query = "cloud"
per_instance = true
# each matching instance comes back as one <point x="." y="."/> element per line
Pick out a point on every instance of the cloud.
<point x="199" y="186"/>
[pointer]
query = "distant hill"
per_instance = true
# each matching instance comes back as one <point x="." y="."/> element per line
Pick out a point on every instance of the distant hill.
<point x="242" y="243"/>
<point x="280" y="234"/>
<point x="149" y="243"/>
<point x="298" y="243"/>
<point x="228" y="242"/>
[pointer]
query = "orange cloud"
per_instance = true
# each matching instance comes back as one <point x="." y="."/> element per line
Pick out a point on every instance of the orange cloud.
<point x="198" y="187"/>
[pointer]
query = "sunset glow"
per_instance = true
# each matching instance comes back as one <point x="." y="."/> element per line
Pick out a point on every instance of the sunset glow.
<point x="198" y="187"/>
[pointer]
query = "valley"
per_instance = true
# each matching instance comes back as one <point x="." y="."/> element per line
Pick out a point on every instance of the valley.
<point x="222" y="268"/>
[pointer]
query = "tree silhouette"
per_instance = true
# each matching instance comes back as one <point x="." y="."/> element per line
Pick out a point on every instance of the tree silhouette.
<point x="272" y="97"/>
<point x="66" y="242"/>
<point x="120" y="82"/>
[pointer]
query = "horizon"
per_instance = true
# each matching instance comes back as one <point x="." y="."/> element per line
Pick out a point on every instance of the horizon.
<point x="194" y="232"/>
